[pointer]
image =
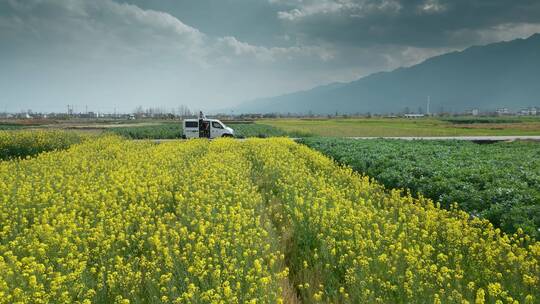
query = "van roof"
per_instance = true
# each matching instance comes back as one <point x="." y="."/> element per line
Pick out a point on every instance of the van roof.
<point x="196" y="119"/>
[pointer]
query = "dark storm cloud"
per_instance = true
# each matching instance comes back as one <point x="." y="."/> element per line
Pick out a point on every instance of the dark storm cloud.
<point x="253" y="21"/>
<point x="421" y="23"/>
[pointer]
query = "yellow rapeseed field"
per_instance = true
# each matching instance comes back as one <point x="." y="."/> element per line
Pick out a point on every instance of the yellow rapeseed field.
<point x="224" y="221"/>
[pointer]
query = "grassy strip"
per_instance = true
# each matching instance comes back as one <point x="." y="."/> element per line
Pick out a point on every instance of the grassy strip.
<point x="381" y="127"/>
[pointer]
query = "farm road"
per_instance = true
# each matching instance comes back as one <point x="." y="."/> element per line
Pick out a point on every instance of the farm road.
<point x="464" y="138"/>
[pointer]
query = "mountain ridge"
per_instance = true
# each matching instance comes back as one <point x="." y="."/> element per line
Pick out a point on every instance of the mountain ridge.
<point x="502" y="74"/>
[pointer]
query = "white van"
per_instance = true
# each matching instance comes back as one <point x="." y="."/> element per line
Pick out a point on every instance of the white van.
<point x="205" y="128"/>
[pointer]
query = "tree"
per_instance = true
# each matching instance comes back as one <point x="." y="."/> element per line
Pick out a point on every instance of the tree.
<point x="183" y="111"/>
<point x="138" y="112"/>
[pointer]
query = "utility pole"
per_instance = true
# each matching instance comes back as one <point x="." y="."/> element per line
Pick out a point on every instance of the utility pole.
<point x="428" y="102"/>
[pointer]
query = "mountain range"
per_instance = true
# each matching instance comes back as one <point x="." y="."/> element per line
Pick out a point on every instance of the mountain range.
<point x="504" y="74"/>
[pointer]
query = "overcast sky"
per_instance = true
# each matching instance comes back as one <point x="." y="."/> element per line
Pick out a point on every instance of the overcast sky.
<point x="210" y="54"/>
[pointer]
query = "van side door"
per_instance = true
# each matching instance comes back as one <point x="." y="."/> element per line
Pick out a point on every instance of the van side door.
<point x="217" y="129"/>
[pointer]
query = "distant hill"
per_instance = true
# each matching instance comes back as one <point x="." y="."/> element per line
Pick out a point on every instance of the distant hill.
<point x="505" y="74"/>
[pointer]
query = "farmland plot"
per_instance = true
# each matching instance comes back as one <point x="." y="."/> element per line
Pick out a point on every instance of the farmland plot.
<point x="258" y="221"/>
<point x="500" y="182"/>
<point x="174" y="131"/>
<point x="22" y="143"/>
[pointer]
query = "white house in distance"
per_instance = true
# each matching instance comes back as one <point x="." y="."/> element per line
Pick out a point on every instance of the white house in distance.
<point x="529" y="112"/>
<point x="503" y="111"/>
<point x="414" y="115"/>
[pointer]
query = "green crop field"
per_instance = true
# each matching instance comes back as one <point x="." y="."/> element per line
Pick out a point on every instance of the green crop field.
<point x="500" y="182"/>
<point x="157" y="131"/>
<point x="256" y="130"/>
<point x="174" y="131"/>
<point x="10" y="127"/>
<point x="349" y="127"/>
<point x="26" y="143"/>
<point x="262" y="131"/>
<point x="378" y="127"/>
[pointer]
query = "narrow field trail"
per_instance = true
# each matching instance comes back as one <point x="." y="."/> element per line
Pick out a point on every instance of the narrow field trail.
<point x="465" y="138"/>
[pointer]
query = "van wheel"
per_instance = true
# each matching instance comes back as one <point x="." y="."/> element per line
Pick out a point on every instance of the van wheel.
<point x="226" y="135"/>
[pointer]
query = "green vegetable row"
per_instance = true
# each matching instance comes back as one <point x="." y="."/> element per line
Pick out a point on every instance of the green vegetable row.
<point x="25" y="143"/>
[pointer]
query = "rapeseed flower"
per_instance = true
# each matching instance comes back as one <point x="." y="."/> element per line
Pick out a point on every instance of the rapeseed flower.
<point x="111" y="220"/>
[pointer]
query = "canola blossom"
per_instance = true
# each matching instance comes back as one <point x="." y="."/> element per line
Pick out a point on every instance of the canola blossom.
<point x="224" y="221"/>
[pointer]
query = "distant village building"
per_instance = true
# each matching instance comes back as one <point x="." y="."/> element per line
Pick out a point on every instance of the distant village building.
<point x="529" y="111"/>
<point x="503" y="111"/>
<point x="475" y="112"/>
<point x="414" y="115"/>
